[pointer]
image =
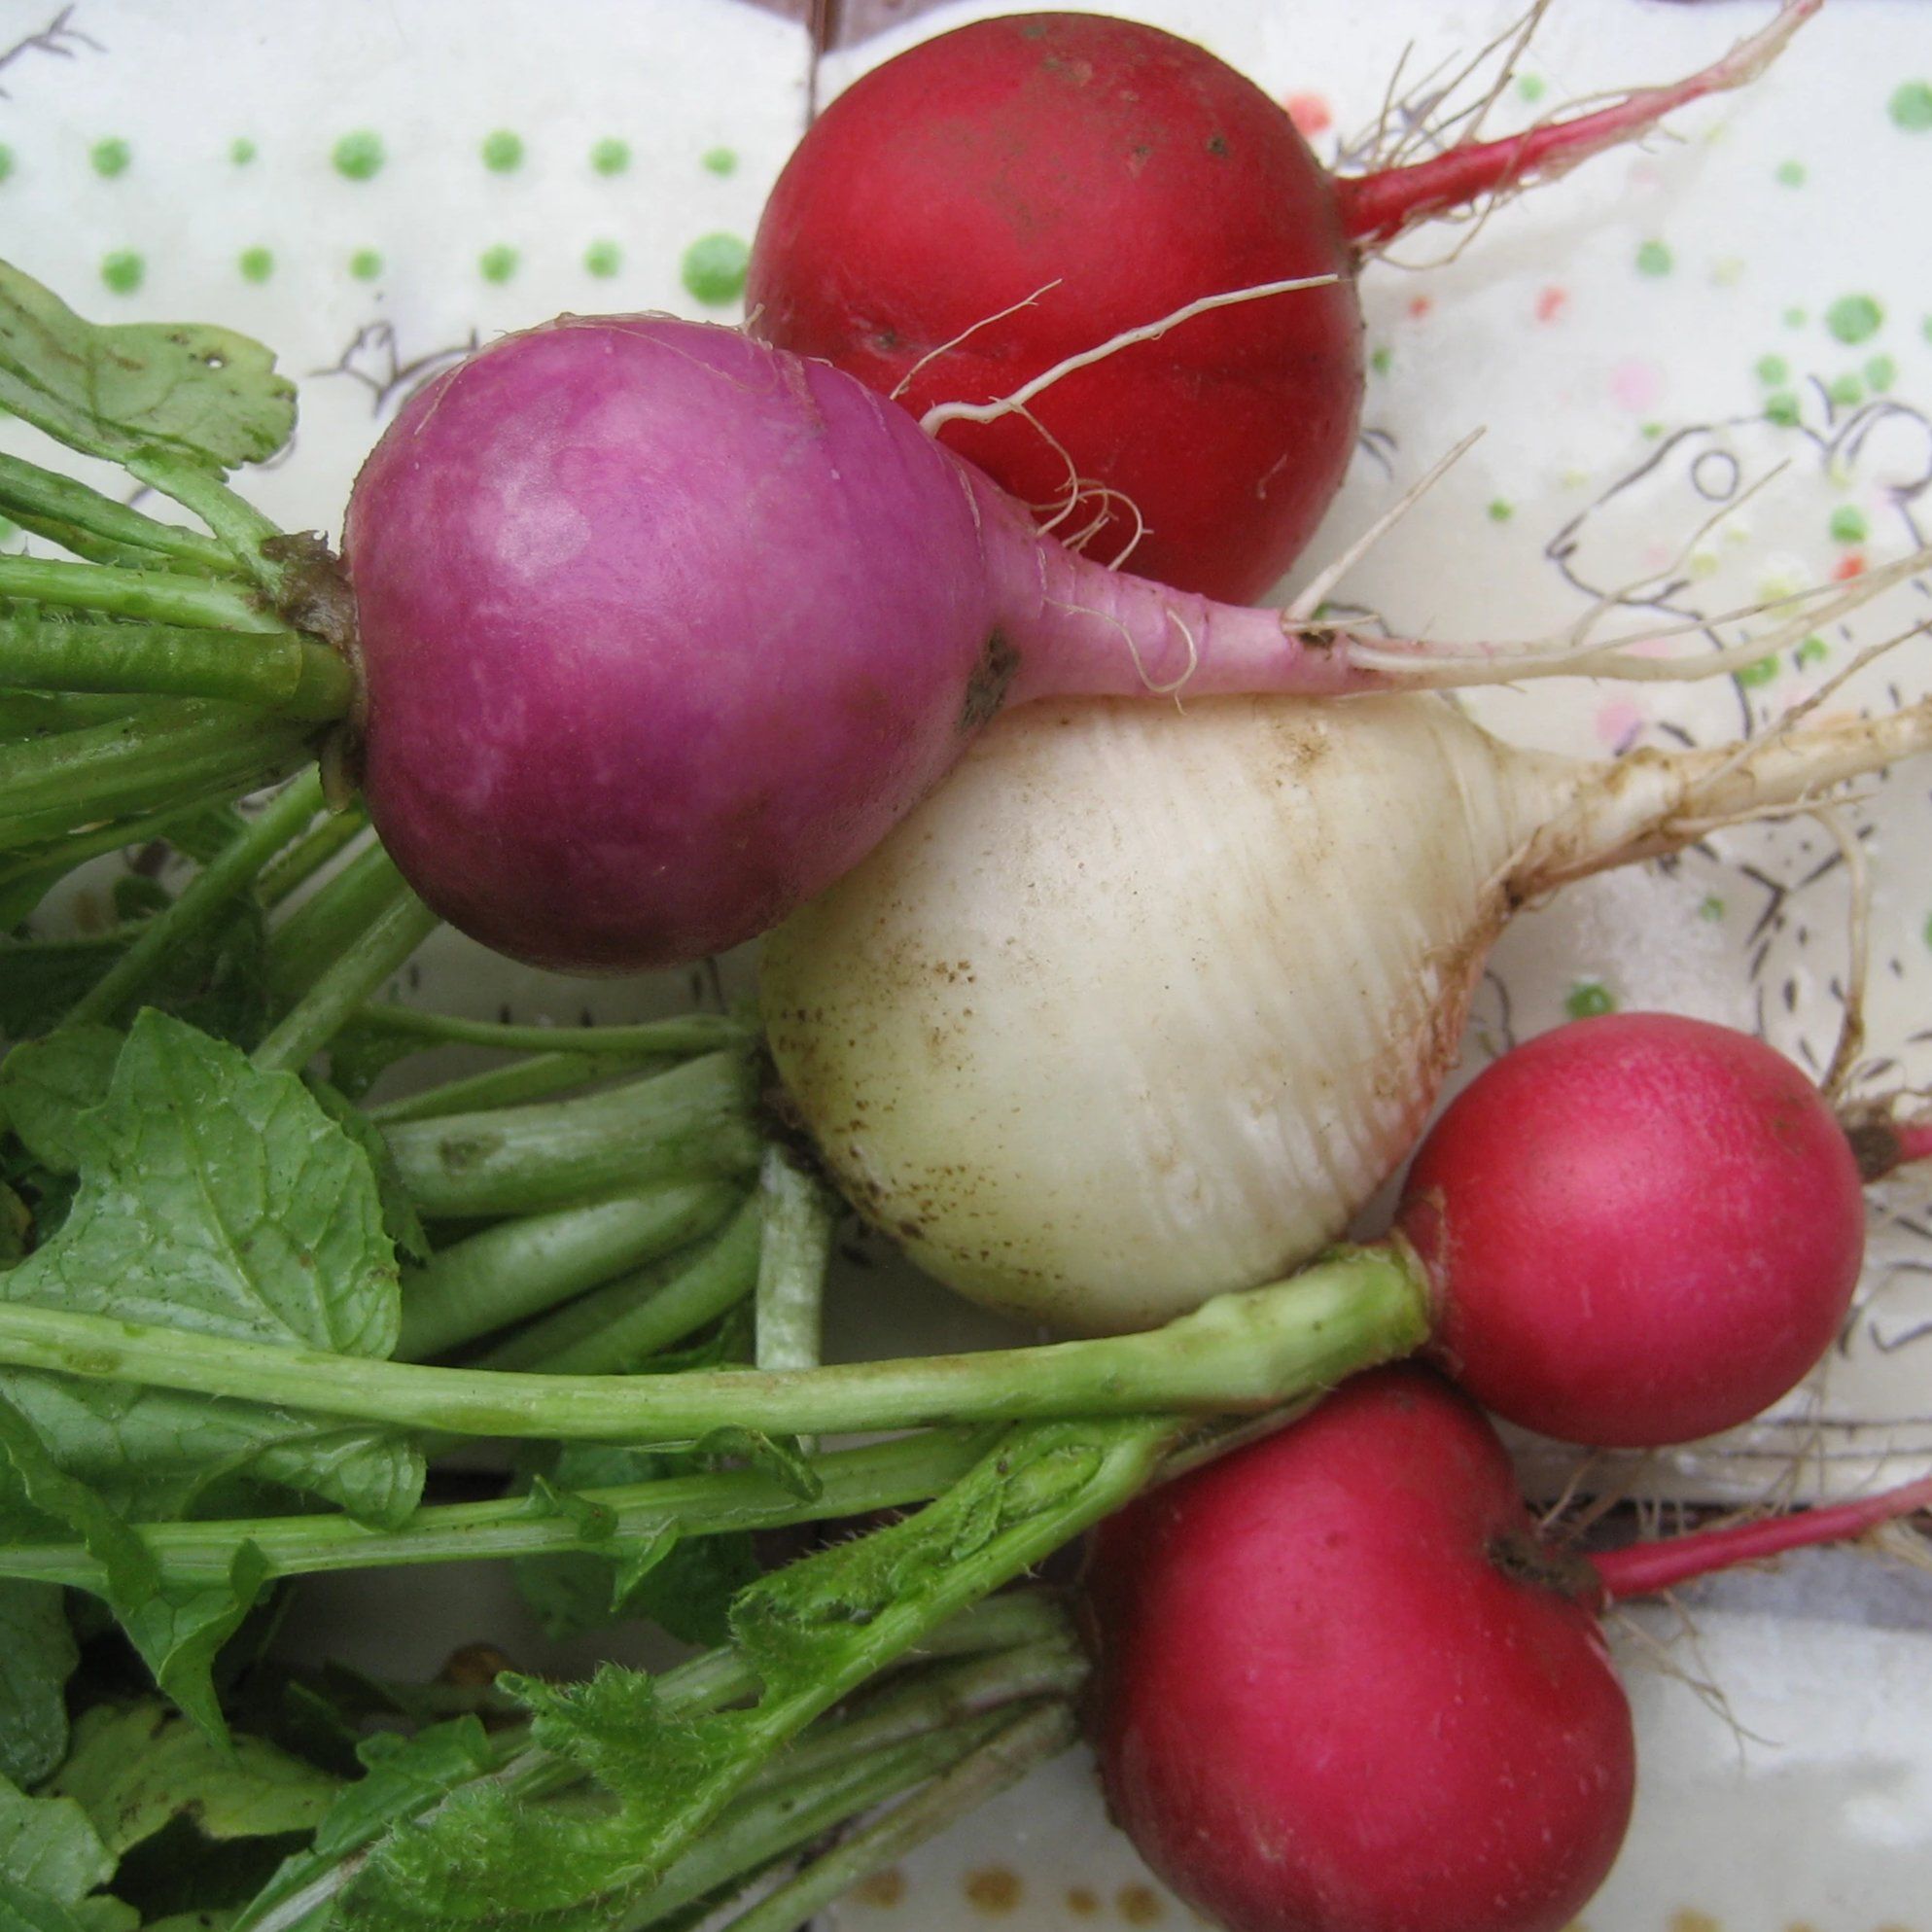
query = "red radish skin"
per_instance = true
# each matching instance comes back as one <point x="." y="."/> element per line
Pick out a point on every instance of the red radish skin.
<point x="1135" y="173"/>
<point x="661" y="630"/>
<point x="1341" y="1687"/>
<point x="1640" y="1229"/>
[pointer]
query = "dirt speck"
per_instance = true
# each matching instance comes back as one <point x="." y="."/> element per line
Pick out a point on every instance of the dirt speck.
<point x="1139" y="1905"/>
<point x="1081" y="1901"/>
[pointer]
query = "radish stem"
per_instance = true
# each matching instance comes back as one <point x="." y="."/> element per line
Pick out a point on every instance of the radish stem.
<point x="1238" y="1351"/>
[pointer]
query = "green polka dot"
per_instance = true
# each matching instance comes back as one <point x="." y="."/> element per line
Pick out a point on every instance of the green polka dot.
<point x="1882" y="372"/>
<point x="497" y="263"/>
<point x="1924" y="328"/>
<point x="1380" y="359"/>
<point x="1928" y="931"/>
<point x="1532" y="87"/>
<point x="502" y="152"/>
<point x="6" y="160"/>
<point x="1712" y="908"/>
<point x="713" y="269"/>
<point x="124" y="271"/>
<point x="1653" y="258"/>
<point x="603" y="258"/>
<point x="1650" y="432"/>
<point x="1854" y="318"/>
<point x="611" y="156"/>
<point x="720" y="160"/>
<point x="1849" y="525"/>
<point x="242" y="151"/>
<point x="1911" y="106"/>
<point x="366" y="264"/>
<point x="1813" y="650"/>
<point x="256" y="264"/>
<point x="109" y="158"/>
<point x="1791" y="174"/>
<point x="1781" y="409"/>
<point x="1761" y="672"/>
<point x="1847" y="391"/>
<point x="1795" y="318"/>
<point x="1501" y="510"/>
<point x="359" y="157"/>
<point x="1588" y="999"/>
<point x="1772" y="370"/>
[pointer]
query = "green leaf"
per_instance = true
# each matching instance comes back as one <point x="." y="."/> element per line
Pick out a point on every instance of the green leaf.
<point x="134" y="1770"/>
<point x="403" y="1778"/>
<point x="176" y="1626"/>
<point x="683" y="1584"/>
<point x="50" y="1860"/>
<point x="46" y="1085"/>
<point x="220" y="1200"/>
<point x="809" y="1634"/>
<point x="37" y="1657"/>
<point x="120" y="390"/>
<point x="16" y="1224"/>
<point x="400" y="1218"/>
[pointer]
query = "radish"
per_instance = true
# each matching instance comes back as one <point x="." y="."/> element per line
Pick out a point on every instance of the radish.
<point x="1343" y="1684"/>
<point x="660" y="630"/>
<point x="1144" y="1007"/>
<point x="1642" y="1229"/>
<point x="1007" y="197"/>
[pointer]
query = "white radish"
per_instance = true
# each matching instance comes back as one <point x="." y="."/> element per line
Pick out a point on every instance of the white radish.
<point x="1144" y="1005"/>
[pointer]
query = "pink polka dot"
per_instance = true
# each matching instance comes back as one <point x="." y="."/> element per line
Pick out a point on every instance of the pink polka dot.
<point x="1637" y="384"/>
<point x="1420" y="306"/>
<point x="1551" y="304"/>
<point x="1849" y="566"/>
<point x="1619" y="721"/>
<point x="1310" y="112"/>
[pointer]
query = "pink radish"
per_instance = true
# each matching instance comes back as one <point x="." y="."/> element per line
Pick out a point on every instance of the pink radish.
<point x="1013" y="194"/>
<point x="662" y="630"/>
<point x="1345" y="1685"/>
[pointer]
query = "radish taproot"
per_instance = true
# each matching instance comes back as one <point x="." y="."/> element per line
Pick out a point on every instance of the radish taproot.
<point x="1144" y="1007"/>
<point x="1004" y="197"/>
<point x="1345" y="1684"/>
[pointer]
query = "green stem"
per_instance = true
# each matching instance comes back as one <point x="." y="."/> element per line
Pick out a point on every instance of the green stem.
<point x="240" y="527"/>
<point x="856" y="1482"/>
<point x="201" y="902"/>
<point x="324" y="925"/>
<point x="693" y="1119"/>
<point x="757" y="1830"/>
<point x="615" y="1329"/>
<point x="535" y="1077"/>
<point x="684" y="1033"/>
<point x="800" y="1214"/>
<point x="150" y="597"/>
<point x="520" y="1268"/>
<point x="931" y="1699"/>
<point x="278" y="671"/>
<point x="1239" y="1352"/>
<point x="298" y="866"/>
<point x="1006" y="1756"/>
<point x="157" y="760"/>
<point x="349" y="979"/>
<point x="39" y="714"/>
<point x="27" y="490"/>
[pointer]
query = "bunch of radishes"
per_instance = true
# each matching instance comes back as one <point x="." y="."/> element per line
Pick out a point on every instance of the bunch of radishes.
<point x="666" y="636"/>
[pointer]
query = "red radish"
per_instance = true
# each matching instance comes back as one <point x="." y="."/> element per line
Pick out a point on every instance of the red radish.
<point x="1640" y="1228"/>
<point x="1344" y="1685"/>
<point x="663" y="629"/>
<point x="1016" y="192"/>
